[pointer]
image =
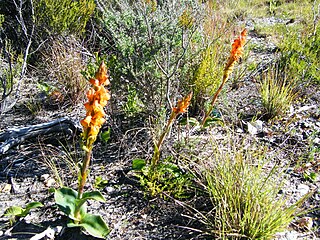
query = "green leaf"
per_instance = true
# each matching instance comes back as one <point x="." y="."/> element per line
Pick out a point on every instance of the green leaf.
<point x="212" y="121"/>
<point x="94" y="225"/>
<point x="138" y="164"/>
<point x="66" y="199"/>
<point x="105" y="135"/>
<point x="94" y="195"/>
<point x="13" y="211"/>
<point x="100" y="183"/>
<point x="191" y="121"/>
<point x="33" y="205"/>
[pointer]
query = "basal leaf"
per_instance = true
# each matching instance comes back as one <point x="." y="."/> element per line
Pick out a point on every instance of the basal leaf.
<point x="66" y="199"/>
<point x="13" y="211"/>
<point x="138" y="164"/>
<point x="33" y="205"/>
<point x="94" y="195"/>
<point x="95" y="226"/>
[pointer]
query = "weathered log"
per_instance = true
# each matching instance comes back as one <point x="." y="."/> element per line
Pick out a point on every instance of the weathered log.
<point x="15" y="136"/>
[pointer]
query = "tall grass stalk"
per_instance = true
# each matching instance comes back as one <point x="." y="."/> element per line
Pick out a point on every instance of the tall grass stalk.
<point x="243" y="190"/>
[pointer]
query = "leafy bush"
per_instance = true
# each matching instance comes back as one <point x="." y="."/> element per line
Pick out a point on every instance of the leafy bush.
<point x="64" y="15"/>
<point x="300" y="53"/>
<point x="149" y="46"/>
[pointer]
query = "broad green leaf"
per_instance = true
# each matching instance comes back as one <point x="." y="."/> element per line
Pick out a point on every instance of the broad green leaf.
<point x="94" y="195"/>
<point x="94" y="225"/>
<point x="138" y="164"/>
<point x="33" y="205"/>
<point x="13" y="211"/>
<point x="66" y="199"/>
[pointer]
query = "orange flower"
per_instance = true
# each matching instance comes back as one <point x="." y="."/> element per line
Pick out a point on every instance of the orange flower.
<point x="101" y="75"/>
<point x="98" y="97"/>
<point x="237" y="46"/>
<point x="183" y="104"/>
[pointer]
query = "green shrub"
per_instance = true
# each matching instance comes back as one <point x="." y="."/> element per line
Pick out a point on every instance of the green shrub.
<point x="64" y="15"/>
<point x="300" y="52"/>
<point x="149" y="46"/>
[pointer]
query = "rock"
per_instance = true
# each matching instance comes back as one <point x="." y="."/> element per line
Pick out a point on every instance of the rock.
<point x="287" y="235"/>
<point x="302" y="189"/>
<point x="44" y="177"/>
<point x="50" y="182"/>
<point x="252" y="129"/>
<point x="110" y="190"/>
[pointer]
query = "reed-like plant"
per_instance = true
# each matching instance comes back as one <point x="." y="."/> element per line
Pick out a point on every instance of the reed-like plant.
<point x="235" y="55"/>
<point x="72" y="202"/>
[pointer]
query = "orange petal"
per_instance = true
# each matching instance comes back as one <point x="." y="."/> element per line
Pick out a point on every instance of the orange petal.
<point x="101" y="74"/>
<point x="94" y="82"/>
<point x="86" y="122"/>
<point x="183" y="104"/>
<point x="237" y="46"/>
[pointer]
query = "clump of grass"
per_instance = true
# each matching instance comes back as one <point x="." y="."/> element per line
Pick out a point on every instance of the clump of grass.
<point x="243" y="191"/>
<point x="62" y="64"/>
<point x="277" y="91"/>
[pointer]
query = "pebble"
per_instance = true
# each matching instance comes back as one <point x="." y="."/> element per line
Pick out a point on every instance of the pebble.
<point x="303" y="189"/>
<point x="110" y="190"/>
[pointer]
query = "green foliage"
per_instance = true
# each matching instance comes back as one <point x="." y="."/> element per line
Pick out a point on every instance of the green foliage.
<point x="15" y="212"/>
<point x="105" y="135"/>
<point x="1" y="19"/>
<point x="277" y="91"/>
<point x="64" y="15"/>
<point x="165" y="177"/>
<point x="207" y="76"/>
<point x="300" y="53"/>
<point x="133" y="104"/>
<point x="100" y="183"/>
<point x="244" y="195"/>
<point x="75" y="208"/>
<point x="150" y="49"/>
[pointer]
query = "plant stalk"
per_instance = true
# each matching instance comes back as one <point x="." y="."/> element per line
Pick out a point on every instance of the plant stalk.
<point x="156" y="154"/>
<point x="227" y="71"/>
<point x="84" y="173"/>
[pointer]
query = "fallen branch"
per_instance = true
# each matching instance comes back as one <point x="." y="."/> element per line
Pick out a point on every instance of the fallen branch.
<point x="15" y="136"/>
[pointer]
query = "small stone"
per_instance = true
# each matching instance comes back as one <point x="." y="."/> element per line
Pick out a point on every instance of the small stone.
<point x="303" y="189"/>
<point x="44" y="177"/>
<point x="239" y="130"/>
<point x="252" y="129"/>
<point x="110" y="190"/>
<point x="50" y="182"/>
<point x="6" y="188"/>
<point x="316" y="140"/>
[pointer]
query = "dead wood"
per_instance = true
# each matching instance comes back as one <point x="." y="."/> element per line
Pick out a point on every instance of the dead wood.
<point x="15" y="136"/>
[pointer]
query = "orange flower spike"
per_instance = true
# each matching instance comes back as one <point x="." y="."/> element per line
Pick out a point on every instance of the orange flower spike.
<point x="183" y="104"/>
<point x="86" y="122"/>
<point x="94" y="82"/>
<point x="237" y="46"/>
<point x="101" y="75"/>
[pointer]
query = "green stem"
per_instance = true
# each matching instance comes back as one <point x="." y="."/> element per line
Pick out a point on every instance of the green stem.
<point x="156" y="153"/>
<point x="84" y="173"/>
<point x="82" y="181"/>
<point x="227" y="71"/>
